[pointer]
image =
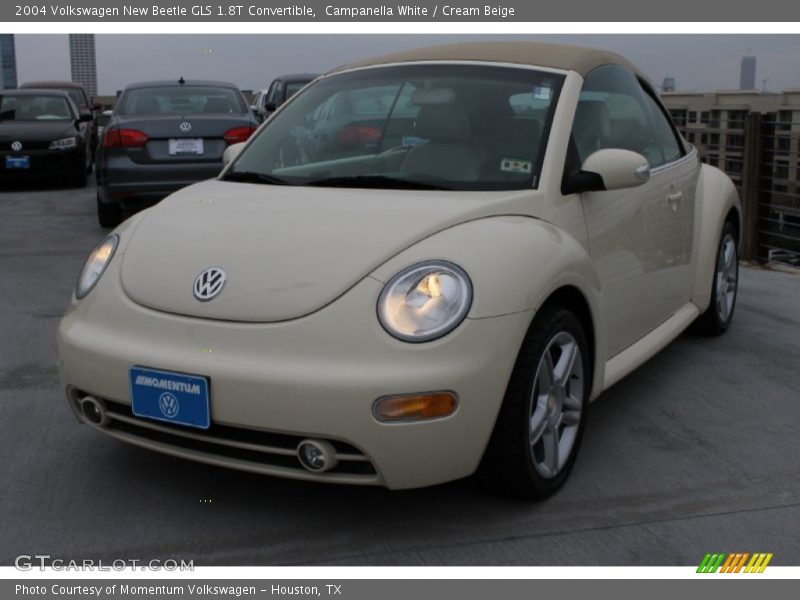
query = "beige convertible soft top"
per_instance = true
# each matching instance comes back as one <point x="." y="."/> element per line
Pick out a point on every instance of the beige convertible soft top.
<point x="556" y="56"/>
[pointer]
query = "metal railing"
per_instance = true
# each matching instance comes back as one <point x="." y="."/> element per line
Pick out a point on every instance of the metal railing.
<point x="761" y="154"/>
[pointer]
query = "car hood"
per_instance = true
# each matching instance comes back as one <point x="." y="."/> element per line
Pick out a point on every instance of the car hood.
<point x="34" y="131"/>
<point x="287" y="251"/>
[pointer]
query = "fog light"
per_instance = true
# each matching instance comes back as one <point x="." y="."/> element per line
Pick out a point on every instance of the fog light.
<point x="415" y="407"/>
<point x="316" y="455"/>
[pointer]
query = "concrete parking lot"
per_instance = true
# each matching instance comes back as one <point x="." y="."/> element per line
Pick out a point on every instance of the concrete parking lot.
<point x="698" y="451"/>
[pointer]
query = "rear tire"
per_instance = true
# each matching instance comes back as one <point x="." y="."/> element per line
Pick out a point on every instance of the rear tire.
<point x="109" y="215"/>
<point x="80" y="179"/>
<point x="538" y="431"/>
<point x="724" y="286"/>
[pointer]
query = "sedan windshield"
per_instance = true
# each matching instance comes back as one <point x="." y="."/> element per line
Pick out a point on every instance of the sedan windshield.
<point x="466" y="127"/>
<point x="34" y="108"/>
<point x="183" y="100"/>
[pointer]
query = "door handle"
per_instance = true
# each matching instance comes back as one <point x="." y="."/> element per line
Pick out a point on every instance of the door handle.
<point x="674" y="198"/>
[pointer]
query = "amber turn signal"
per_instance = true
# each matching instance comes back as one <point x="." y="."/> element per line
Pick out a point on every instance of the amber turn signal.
<point x="415" y="407"/>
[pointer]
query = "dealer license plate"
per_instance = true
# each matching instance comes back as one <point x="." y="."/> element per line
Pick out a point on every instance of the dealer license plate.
<point x="185" y="146"/>
<point x="169" y="396"/>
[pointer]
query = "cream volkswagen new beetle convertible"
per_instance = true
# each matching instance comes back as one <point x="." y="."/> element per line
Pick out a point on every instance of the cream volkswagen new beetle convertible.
<point x="422" y="266"/>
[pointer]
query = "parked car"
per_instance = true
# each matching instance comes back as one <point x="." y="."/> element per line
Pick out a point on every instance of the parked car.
<point x="165" y="135"/>
<point x="493" y="235"/>
<point x="78" y="95"/>
<point x="259" y="101"/>
<point x="102" y="120"/>
<point x="279" y="91"/>
<point x="41" y="137"/>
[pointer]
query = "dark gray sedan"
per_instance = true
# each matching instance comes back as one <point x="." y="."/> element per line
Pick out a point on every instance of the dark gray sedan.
<point x="165" y="135"/>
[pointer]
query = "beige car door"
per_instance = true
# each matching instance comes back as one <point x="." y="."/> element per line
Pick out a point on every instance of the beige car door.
<point x="637" y="236"/>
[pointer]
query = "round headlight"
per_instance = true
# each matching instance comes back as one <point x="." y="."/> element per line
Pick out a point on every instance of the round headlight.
<point x="95" y="265"/>
<point x="425" y="301"/>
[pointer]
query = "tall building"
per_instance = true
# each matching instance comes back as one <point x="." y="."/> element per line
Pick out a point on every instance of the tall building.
<point x="668" y="85"/>
<point x="747" y="74"/>
<point x="82" y="61"/>
<point x="8" y="62"/>
<point x="718" y="125"/>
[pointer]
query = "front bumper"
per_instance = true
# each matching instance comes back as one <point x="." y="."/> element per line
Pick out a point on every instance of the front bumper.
<point x="313" y="377"/>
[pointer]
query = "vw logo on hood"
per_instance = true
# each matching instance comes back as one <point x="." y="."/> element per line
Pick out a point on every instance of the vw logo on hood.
<point x="209" y="284"/>
<point x="16" y="146"/>
<point x="185" y="127"/>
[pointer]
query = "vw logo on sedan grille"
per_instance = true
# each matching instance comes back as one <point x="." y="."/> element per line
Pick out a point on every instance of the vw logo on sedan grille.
<point x="209" y="284"/>
<point x="16" y="146"/>
<point x="185" y="127"/>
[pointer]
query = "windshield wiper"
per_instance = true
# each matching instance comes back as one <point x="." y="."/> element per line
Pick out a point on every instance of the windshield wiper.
<point x="254" y="177"/>
<point x="376" y="181"/>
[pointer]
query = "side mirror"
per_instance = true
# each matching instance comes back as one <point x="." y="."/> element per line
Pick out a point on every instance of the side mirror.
<point x="270" y="107"/>
<point x="609" y="169"/>
<point x="231" y="152"/>
<point x="97" y="106"/>
<point x="84" y="117"/>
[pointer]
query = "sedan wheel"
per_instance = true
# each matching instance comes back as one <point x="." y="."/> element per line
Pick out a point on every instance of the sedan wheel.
<point x="538" y="431"/>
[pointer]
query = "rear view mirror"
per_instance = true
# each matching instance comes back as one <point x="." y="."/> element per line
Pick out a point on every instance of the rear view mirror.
<point x="231" y="152"/>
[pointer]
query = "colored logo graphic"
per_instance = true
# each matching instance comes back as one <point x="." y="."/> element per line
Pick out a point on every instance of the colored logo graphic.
<point x="168" y="404"/>
<point x="735" y="562"/>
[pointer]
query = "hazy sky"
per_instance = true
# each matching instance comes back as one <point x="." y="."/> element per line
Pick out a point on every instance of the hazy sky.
<point x="697" y="62"/>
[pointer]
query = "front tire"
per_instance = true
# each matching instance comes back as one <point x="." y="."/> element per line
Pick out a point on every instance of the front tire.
<point x="109" y="215"/>
<point x="538" y="431"/>
<point x="724" y="287"/>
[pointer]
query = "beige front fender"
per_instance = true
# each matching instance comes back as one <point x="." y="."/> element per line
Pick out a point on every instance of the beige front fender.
<point x="515" y="263"/>
<point x="716" y="198"/>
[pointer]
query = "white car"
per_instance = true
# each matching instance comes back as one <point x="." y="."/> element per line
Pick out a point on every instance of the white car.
<point x="490" y="236"/>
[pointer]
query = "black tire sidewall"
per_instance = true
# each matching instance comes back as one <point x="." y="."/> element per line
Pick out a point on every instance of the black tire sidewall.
<point x="569" y="323"/>
<point x="508" y="464"/>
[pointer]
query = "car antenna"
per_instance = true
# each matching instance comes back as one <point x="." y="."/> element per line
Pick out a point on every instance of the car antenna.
<point x="181" y="81"/>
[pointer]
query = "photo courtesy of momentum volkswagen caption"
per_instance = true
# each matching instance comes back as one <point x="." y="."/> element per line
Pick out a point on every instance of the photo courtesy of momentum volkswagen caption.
<point x="421" y="267"/>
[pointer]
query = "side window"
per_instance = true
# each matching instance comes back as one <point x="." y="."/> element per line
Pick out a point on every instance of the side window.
<point x="274" y="92"/>
<point x="665" y="144"/>
<point x="615" y="112"/>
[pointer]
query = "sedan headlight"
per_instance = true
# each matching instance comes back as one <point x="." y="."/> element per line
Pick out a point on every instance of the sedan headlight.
<point x="425" y="301"/>
<point x="64" y="143"/>
<point x="95" y="266"/>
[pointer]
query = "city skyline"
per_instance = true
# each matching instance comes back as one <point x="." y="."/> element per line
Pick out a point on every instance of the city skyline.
<point x="697" y="63"/>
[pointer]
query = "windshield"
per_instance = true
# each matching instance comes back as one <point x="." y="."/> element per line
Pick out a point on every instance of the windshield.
<point x="467" y="127"/>
<point x="174" y="100"/>
<point x="76" y="95"/>
<point x="34" y="108"/>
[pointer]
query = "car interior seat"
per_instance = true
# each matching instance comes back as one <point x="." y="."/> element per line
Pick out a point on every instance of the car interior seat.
<point x="55" y="107"/>
<point x="217" y="105"/>
<point x="447" y="154"/>
<point x="147" y="106"/>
